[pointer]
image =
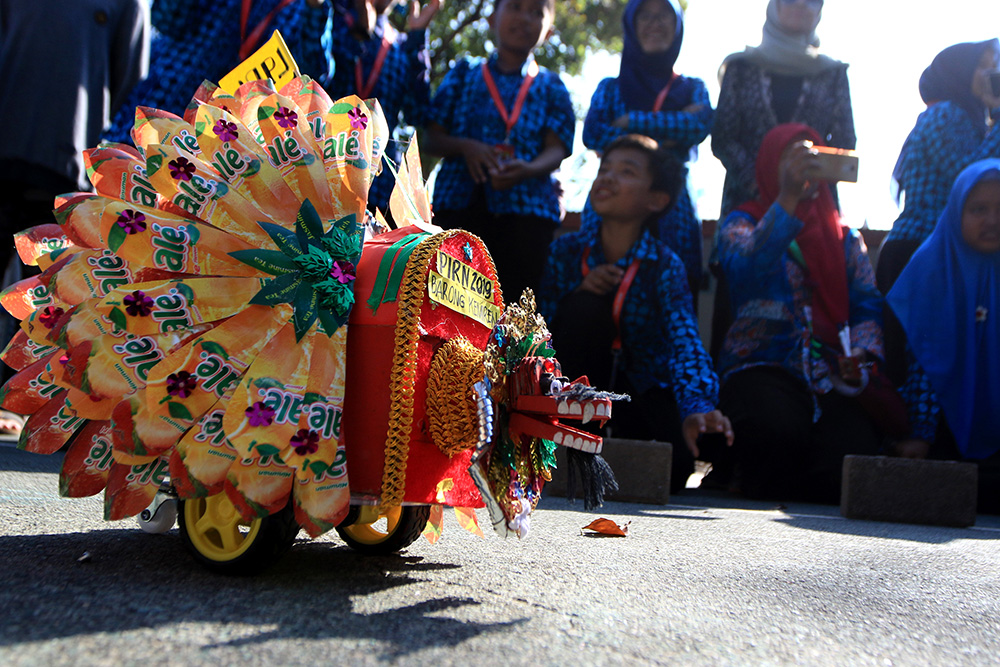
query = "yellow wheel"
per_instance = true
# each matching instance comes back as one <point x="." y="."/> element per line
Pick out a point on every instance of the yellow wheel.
<point x="386" y="533"/>
<point x="219" y="538"/>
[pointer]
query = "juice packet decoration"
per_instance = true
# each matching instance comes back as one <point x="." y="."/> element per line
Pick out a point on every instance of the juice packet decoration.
<point x="191" y="316"/>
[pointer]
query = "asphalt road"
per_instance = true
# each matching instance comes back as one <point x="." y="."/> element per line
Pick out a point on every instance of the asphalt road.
<point x="708" y="580"/>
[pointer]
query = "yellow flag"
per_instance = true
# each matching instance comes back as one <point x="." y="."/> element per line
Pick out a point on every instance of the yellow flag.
<point x="272" y="61"/>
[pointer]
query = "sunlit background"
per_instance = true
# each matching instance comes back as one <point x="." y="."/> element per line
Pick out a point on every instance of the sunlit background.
<point x="888" y="43"/>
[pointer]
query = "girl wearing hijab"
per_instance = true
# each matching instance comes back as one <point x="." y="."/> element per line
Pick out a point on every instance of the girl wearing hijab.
<point x="805" y="303"/>
<point x="948" y="301"/>
<point x="649" y="98"/>
<point x="784" y="80"/>
<point x="950" y="135"/>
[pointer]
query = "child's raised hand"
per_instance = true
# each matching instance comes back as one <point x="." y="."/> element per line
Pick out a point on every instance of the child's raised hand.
<point x="602" y="279"/>
<point x="705" y="422"/>
<point x="480" y="159"/>
<point x="420" y="17"/>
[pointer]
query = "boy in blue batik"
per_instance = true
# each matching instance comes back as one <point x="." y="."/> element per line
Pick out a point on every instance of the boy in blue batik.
<point x="372" y="59"/>
<point x="648" y="97"/>
<point x="503" y="125"/>
<point x="614" y="285"/>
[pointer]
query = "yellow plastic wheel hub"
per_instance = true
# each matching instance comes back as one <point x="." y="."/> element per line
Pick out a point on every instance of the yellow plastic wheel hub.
<point x="216" y="528"/>
<point x="377" y="532"/>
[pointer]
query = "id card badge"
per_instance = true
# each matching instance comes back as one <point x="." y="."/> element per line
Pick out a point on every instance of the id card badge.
<point x="504" y="153"/>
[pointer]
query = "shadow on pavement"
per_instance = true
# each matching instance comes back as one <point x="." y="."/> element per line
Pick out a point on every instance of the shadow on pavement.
<point x="889" y="531"/>
<point x="136" y="581"/>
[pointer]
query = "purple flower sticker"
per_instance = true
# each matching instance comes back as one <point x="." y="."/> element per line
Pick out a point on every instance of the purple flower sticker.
<point x="50" y="316"/>
<point x="181" y="384"/>
<point x="138" y="304"/>
<point x="359" y="120"/>
<point x="343" y="271"/>
<point x="225" y="130"/>
<point x="286" y="118"/>
<point x="131" y="221"/>
<point x="305" y="442"/>
<point x="260" y="415"/>
<point x="182" y="169"/>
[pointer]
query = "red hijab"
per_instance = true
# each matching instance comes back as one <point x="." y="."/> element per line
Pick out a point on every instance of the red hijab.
<point x="821" y="239"/>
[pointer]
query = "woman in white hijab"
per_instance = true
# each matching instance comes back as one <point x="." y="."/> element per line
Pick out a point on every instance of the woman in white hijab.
<point x="784" y="80"/>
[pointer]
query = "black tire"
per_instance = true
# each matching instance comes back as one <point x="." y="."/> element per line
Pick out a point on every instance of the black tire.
<point x="400" y="532"/>
<point x="251" y="546"/>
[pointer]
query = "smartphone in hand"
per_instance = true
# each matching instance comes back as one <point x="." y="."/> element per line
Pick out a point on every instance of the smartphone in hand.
<point x="835" y="164"/>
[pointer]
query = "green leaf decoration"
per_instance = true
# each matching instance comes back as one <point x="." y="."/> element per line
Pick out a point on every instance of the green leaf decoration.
<point x="214" y="348"/>
<point x="343" y="241"/>
<point x="267" y="450"/>
<point x="285" y="239"/>
<point x="278" y="290"/>
<point x="253" y="168"/>
<point x="185" y="289"/>
<point x="341" y="107"/>
<point x="308" y="226"/>
<point x="269" y="261"/>
<point x="306" y="310"/>
<point x="318" y="468"/>
<point x="263" y="112"/>
<point x="360" y="163"/>
<point x="330" y="321"/>
<point x="268" y="383"/>
<point x="179" y="411"/>
<point x="199" y="127"/>
<point x="153" y="164"/>
<point x="192" y="229"/>
<point x="118" y="318"/>
<point x="313" y="397"/>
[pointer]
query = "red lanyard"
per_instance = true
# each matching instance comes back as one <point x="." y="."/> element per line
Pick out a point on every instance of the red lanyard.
<point x="510" y="118"/>
<point x="662" y="97"/>
<point x="365" y="87"/>
<point x="247" y="44"/>
<point x="619" y="302"/>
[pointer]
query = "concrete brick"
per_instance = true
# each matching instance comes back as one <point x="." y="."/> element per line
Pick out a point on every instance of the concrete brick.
<point x="936" y="493"/>
<point x="642" y="468"/>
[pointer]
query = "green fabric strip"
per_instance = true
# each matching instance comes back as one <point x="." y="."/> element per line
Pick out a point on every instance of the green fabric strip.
<point x="397" y="251"/>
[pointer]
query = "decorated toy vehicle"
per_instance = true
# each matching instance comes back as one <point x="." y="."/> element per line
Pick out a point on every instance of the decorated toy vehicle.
<point x="194" y="345"/>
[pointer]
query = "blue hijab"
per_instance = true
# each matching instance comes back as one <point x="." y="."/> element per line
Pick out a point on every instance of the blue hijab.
<point x="643" y="75"/>
<point x="936" y="298"/>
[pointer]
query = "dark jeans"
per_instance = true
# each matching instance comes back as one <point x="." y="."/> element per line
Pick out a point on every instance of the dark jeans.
<point x="892" y="259"/>
<point x="582" y="333"/>
<point x="26" y="200"/>
<point x="779" y="452"/>
<point x="518" y="244"/>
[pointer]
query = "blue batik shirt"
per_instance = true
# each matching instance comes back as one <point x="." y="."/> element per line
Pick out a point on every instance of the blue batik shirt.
<point x="922" y="405"/>
<point x="660" y="341"/>
<point x="942" y="143"/>
<point x="678" y="131"/>
<point x="464" y="107"/>
<point x="193" y="43"/>
<point x="402" y="87"/>
<point x="771" y="300"/>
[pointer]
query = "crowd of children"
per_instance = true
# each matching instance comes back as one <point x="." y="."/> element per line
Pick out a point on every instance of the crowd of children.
<point x="800" y="374"/>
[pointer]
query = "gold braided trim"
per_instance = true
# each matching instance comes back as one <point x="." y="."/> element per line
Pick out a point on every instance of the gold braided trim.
<point x="452" y="415"/>
<point x="402" y="379"/>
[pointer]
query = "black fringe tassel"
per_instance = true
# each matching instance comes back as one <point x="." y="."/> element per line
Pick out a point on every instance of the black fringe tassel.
<point x="595" y="474"/>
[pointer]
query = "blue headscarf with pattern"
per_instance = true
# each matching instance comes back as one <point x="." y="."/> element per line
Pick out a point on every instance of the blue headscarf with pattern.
<point x="948" y="300"/>
<point x="643" y="75"/>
